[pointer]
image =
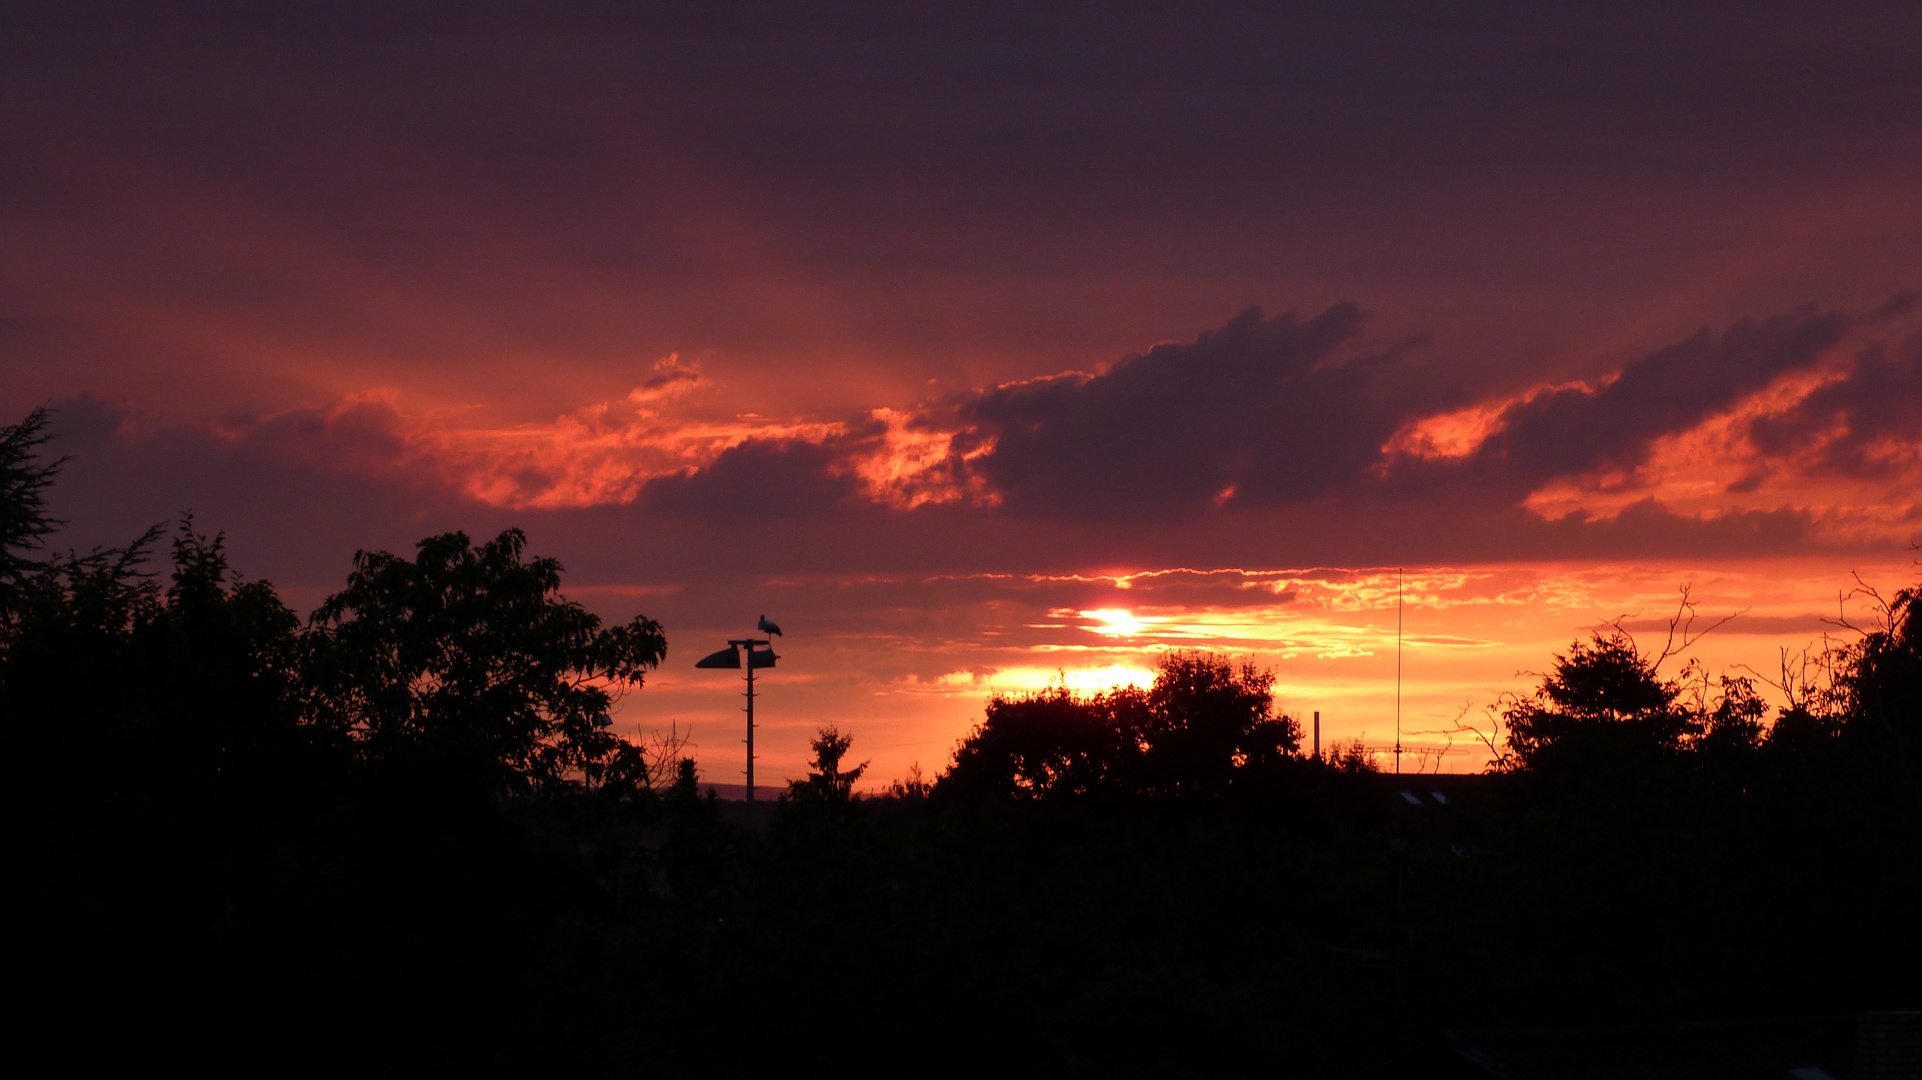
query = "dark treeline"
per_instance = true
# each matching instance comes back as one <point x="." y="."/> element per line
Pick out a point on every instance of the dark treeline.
<point x="397" y="834"/>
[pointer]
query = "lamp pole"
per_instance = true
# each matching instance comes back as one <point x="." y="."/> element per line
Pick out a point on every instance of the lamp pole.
<point x="760" y="653"/>
<point x="749" y="644"/>
<point x="750" y="722"/>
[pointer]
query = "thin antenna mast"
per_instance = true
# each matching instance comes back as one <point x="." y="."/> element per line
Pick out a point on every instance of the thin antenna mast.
<point x="1395" y="845"/>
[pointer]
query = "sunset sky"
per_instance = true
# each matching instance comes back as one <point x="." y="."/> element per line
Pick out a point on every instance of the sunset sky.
<point x="987" y="345"/>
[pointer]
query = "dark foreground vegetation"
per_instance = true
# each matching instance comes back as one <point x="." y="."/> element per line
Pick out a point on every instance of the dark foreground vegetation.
<point x="395" y="835"/>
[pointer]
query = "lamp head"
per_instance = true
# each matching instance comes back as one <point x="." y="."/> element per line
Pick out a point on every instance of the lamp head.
<point x="729" y="657"/>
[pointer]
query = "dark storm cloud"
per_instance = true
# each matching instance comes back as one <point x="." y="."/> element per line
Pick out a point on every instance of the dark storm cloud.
<point x="785" y="511"/>
<point x="1126" y="468"/>
<point x="1259" y="412"/>
<point x="1647" y="529"/>
<point x="1579" y="430"/>
<point x="1866" y="425"/>
<point x="1266" y="413"/>
<point x="356" y="437"/>
<point x="296" y="494"/>
<point x="761" y="479"/>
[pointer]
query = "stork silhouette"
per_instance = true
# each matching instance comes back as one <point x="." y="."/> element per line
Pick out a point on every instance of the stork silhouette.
<point x="766" y="627"/>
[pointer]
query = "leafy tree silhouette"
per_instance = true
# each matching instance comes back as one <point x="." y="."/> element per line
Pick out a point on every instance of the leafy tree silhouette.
<point x="1352" y="758"/>
<point x="1601" y="693"/>
<point x="24" y="480"/>
<point x="172" y="696"/>
<point x="827" y="782"/>
<point x="1206" y="723"/>
<point x="1879" y="682"/>
<point x="1214" y="720"/>
<point x="24" y="521"/>
<point x="215" y="792"/>
<point x="1735" y="723"/>
<point x="176" y="794"/>
<point x="1054" y="742"/>
<point x="468" y="657"/>
<point x="687" y="780"/>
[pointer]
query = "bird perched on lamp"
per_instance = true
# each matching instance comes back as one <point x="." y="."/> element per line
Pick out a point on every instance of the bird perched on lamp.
<point x="766" y="627"/>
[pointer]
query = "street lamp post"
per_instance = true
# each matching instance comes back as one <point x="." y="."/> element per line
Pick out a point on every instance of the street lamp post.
<point x="760" y="654"/>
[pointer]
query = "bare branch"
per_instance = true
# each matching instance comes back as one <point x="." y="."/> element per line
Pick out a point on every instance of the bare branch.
<point x="1490" y="740"/>
<point x="1681" y="626"/>
<point x="662" y="753"/>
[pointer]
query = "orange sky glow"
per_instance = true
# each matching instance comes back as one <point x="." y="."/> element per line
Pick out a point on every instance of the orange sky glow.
<point x="1469" y="635"/>
<point x="987" y="354"/>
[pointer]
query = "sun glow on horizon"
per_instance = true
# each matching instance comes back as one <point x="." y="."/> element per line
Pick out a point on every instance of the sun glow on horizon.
<point x="1118" y="622"/>
<point x="1088" y="680"/>
<point x="1469" y="635"/>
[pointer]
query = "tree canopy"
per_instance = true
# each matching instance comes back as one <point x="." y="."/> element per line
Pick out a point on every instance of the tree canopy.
<point x="468" y="653"/>
<point x="1879" y="681"/>
<point x="1206" y="723"/>
<point x="24" y="520"/>
<point x="827" y="781"/>
<point x="398" y="832"/>
<point x="1602" y="692"/>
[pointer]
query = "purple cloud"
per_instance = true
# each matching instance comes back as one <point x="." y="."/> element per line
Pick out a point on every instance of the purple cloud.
<point x="1261" y="412"/>
<point x="1578" y="430"/>
<point x="1866" y="425"/>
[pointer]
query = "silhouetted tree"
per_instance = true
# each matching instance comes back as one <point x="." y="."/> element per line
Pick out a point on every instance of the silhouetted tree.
<point x="1803" y="729"/>
<point x="1734" y="723"/>
<point x="687" y="779"/>
<point x="1601" y="693"/>
<point x="467" y="658"/>
<point x="1053" y="742"/>
<point x="24" y="479"/>
<point x="1878" y="685"/>
<point x="1352" y="758"/>
<point x="1213" y="721"/>
<point x="174" y="794"/>
<point x="211" y="794"/>
<point x="1206" y="723"/>
<point x="827" y="782"/>
<point x="915" y="785"/>
<point x="224" y="654"/>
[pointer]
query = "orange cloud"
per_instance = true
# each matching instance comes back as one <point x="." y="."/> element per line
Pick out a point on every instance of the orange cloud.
<point x="1447" y="435"/>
